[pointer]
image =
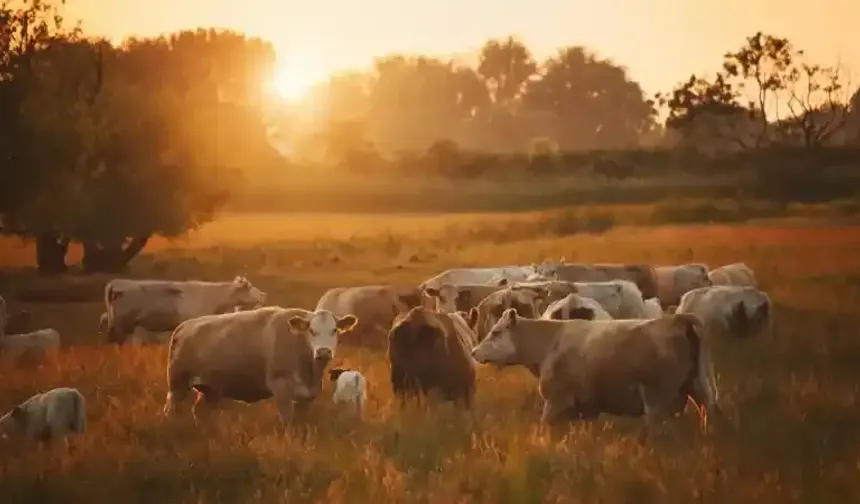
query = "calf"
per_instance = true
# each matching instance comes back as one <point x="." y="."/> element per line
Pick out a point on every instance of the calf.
<point x="350" y="387"/>
<point x="253" y="355"/>
<point x="619" y="367"/>
<point x="376" y="306"/>
<point x="160" y="305"/>
<point x="46" y="416"/>
<point x="429" y="351"/>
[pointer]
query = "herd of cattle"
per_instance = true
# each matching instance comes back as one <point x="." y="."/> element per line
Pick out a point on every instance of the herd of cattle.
<point x="630" y="340"/>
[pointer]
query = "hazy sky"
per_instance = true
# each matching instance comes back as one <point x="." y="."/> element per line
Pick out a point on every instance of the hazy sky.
<point x="660" y="42"/>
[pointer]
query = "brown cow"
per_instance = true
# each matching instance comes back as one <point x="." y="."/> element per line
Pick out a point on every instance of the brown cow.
<point x="429" y="351"/>
<point x="376" y="306"/>
<point x="524" y="300"/>
<point x="450" y="298"/>
<point x="253" y="355"/>
<point x="619" y="367"/>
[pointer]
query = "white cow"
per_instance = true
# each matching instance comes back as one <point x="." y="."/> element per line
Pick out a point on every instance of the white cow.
<point x="43" y="417"/>
<point x="350" y="387"/>
<point x="621" y="298"/>
<point x="739" y="311"/>
<point x="32" y="346"/>
<point x="466" y="276"/>
<point x="574" y="306"/>
<point x="653" y="308"/>
<point x="161" y="305"/>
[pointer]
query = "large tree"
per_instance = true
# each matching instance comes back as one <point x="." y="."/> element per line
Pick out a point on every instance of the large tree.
<point x="594" y="103"/>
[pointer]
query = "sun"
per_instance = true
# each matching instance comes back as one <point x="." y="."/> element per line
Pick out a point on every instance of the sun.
<point x="294" y="79"/>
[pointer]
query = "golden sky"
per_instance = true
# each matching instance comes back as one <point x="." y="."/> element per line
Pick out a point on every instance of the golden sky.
<point x="659" y="41"/>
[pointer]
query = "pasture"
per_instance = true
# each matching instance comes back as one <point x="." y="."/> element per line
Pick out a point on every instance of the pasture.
<point x="793" y="434"/>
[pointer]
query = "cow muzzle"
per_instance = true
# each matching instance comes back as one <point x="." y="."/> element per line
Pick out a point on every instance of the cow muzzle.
<point x="324" y="354"/>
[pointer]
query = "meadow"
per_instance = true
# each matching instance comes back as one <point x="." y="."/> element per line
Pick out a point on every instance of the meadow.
<point x="792" y="401"/>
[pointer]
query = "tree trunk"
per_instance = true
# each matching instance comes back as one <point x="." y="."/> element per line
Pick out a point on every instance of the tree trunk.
<point x="113" y="258"/>
<point x="51" y="253"/>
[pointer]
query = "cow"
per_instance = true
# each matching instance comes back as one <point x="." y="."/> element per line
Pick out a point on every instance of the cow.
<point x="429" y="351"/>
<point x="488" y="311"/>
<point x="675" y="281"/>
<point x="472" y="276"/>
<point x="554" y="289"/>
<point x="252" y="355"/>
<point x="29" y="348"/>
<point x="376" y="306"/>
<point x="574" y="306"/>
<point x="618" y="367"/>
<point x="350" y="388"/>
<point x="620" y="298"/>
<point x="640" y="274"/>
<point x="738" y="274"/>
<point x="653" y="308"/>
<point x="45" y="417"/>
<point x="451" y="298"/>
<point x="161" y="305"/>
<point x="737" y="311"/>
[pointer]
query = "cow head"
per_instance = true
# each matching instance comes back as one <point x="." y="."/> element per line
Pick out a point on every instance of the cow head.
<point x="448" y="297"/>
<point x="322" y="329"/>
<point x="499" y="347"/>
<point x="524" y="301"/>
<point x="244" y="294"/>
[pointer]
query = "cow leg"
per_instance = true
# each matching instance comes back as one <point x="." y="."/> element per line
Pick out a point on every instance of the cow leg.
<point x="656" y="407"/>
<point x="207" y="399"/>
<point x="282" y="394"/>
<point x="178" y="388"/>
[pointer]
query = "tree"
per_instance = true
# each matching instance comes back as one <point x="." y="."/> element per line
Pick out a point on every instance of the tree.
<point x="596" y="106"/>
<point x="155" y="151"/>
<point x="506" y="66"/>
<point x="787" y="100"/>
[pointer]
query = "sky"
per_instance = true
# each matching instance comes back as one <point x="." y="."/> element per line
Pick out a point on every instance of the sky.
<point x="660" y="42"/>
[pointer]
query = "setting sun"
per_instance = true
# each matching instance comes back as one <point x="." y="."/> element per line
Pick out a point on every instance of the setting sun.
<point x="294" y="79"/>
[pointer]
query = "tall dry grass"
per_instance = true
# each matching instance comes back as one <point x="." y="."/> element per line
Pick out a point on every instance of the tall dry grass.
<point x="792" y="401"/>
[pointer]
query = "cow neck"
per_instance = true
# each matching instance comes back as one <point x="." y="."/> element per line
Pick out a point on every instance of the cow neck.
<point x="534" y="343"/>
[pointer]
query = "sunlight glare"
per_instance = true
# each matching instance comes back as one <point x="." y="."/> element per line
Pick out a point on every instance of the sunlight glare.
<point x="294" y="79"/>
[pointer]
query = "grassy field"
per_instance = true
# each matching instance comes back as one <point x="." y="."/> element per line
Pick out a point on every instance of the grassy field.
<point x="793" y="401"/>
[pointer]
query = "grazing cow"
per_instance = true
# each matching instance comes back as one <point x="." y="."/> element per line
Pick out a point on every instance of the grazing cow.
<point x="429" y="351"/>
<point x="19" y="322"/>
<point x="161" y="305"/>
<point x="450" y="298"/>
<point x="350" y="387"/>
<point x="619" y="367"/>
<point x="640" y="274"/>
<point x="574" y="306"/>
<point x="524" y="301"/>
<point x="253" y="355"/>
<point x="376" y="306"/>
<point x="472" y="276"/>
<point x="29" y="348"/>
<point x="620" y="298"/>
<point x="738" y="274"/>
<point x="737" y="311"/>
<point x="675" y="281"/>
<point x="653" y="308"/>
<point x="46" y="416"/>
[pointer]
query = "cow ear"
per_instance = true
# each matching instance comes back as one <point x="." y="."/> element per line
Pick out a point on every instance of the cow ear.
<point x="299" y="324"/>
<point x="346" y="323"/>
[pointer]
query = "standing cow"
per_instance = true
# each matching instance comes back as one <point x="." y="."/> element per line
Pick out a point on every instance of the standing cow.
<point x="161" y="305"/>
<point x="253" y="355"/>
